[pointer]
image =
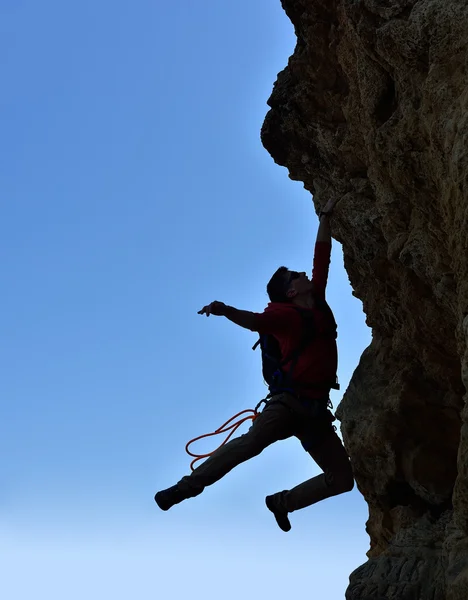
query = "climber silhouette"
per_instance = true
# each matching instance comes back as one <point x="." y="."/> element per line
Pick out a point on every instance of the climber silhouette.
<point x="303" y="411"/>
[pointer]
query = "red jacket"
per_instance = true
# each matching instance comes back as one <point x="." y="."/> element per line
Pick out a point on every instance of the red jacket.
<point x="317" y="365"/>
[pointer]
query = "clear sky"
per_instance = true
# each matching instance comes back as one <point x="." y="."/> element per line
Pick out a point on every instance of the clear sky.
<point x="134" y="189"/>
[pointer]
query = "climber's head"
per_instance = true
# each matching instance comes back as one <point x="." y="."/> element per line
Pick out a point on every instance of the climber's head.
<point x="285" y="285"/>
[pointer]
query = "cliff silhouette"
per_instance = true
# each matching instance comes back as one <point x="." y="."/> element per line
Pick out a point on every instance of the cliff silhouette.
<point x="373" y="107"/>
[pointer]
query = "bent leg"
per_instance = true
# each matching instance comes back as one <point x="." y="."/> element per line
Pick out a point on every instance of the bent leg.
<point x="274" y="423"/>
<point x="337" y="476"/>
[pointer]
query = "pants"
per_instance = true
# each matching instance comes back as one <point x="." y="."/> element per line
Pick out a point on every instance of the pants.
<point x="284" y="417"/>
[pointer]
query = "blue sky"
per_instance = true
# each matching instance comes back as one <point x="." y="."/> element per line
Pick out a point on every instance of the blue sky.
<point x="135" y="190"/>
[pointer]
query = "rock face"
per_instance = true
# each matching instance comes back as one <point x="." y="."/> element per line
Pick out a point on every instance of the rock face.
<point x="373" y="107"/>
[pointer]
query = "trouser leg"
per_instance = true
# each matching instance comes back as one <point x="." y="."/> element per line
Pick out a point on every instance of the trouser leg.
<point x="272" y="424"/>
<point x="337" y="476"/>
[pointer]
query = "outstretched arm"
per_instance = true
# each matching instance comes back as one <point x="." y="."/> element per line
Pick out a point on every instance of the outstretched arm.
<point x="243" y="318"/>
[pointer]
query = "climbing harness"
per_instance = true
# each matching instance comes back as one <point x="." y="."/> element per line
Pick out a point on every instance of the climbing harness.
<point x="224" y="429"/>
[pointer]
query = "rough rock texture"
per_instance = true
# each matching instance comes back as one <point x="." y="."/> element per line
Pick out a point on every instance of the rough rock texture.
<point x="373" y="107"/>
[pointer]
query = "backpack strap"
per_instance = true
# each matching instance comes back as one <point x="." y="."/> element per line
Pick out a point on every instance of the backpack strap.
<point x="257" y="343"/>
<point x="308" y="334"/>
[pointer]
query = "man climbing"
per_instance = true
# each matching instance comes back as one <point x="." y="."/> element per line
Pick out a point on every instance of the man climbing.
<point x="302" y="411"/>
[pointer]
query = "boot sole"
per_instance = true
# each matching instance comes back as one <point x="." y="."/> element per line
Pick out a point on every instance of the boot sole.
<point x="281" y="517"/>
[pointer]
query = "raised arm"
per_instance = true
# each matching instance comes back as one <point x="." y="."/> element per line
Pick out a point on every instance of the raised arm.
<point x="322" y="251"/>
<point x="324" y="231"/>
<point x="322" y="256"/>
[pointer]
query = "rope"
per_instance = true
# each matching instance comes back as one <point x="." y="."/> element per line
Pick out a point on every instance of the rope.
<point x="224" y="429"/>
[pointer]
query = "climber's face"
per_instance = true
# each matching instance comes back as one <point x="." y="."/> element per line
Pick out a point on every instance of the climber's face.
<point x="298" y="283"/>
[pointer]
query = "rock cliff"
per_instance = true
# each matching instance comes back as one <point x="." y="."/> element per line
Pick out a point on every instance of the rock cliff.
<point x="373" y="107"/>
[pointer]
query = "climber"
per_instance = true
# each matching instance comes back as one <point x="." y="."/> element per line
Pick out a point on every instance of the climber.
<point x="302" y="411"/>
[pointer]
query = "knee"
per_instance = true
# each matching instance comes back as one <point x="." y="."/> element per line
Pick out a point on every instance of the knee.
<point x="341" y="481"/>
<point x="344" y="481"/>
<point x="347" y="483"/>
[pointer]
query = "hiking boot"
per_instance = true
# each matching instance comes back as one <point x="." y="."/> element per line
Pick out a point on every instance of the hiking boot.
<point x="281" y="515"/>
<point x="167" y="498"/>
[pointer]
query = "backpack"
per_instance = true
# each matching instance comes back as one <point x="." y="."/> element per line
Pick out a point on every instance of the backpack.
<point x="277" y="379"/>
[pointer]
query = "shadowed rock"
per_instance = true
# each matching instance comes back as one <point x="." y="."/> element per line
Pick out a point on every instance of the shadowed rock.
<point x="373" y="107"/>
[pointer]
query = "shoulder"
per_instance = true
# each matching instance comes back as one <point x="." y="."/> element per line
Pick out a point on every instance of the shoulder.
<point x="282" y="310"/>
<point x="279" y="307"/>
<point x="276" y="317"/>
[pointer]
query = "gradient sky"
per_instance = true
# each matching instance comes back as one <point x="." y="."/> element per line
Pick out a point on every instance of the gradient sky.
<point x="134" y="190"/>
